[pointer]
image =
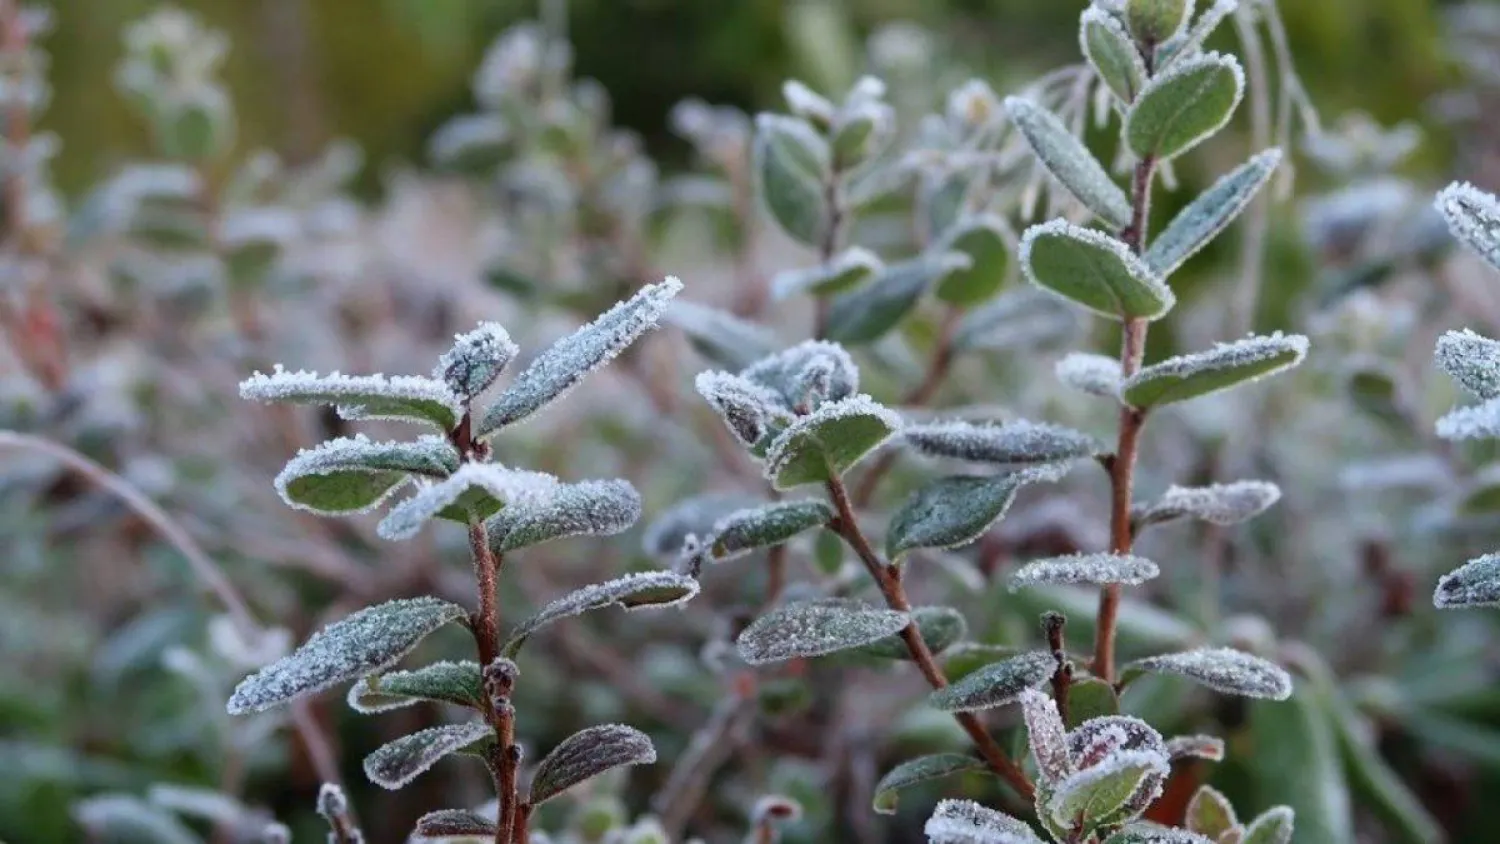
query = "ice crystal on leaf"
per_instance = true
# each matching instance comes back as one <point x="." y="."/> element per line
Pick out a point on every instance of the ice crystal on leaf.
<point x="743" y="531"/>
<point x="640" y="590"/>
<point x="453" y="823"/>
<point x="785" y="373"/>
<point x="1477" y="422"/>
<point x="1476" y="584"/>
<point x="1223" y="670"/>
<point x="407" y="398"/>
<point x="1219" y="504"/>
<point x="1196" y="747"/>
<point x="586" y="754"/>
<point x="1474" y="218"/>
<point x="476" y="359"/>
<point x="1016" y="443"/>
<point x="476" y="490"/>
<point x="748" y="409"/>
<point x="355" y="474"/>
<point x="816" y="628"/>
<point x="590" y="508"/>
<point x="1471" y="360"/>
<point x="967" y="822"/>
<point x="1047" y="735"/>
<point x="397" y="763"/>
<point x="824" y="444"/>
<point x="1220" y="368"/>
<point x="1086" y="568"/>
<point x="1096" y="375"/>
<point x="997" y="684"/>
<point x="450" y="682"/>
<point x="691" y="517"/>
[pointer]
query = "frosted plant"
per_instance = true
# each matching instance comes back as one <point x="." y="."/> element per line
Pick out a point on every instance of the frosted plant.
<point x="505" y="510"/>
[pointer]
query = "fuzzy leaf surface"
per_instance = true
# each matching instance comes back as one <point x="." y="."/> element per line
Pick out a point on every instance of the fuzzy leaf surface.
<point x="1047" y="735"/>
<point x="791" y="373"/>
<point x="1099" y="569"/>
<point x="997" y="684"/>
<point x="772" y="524"/>
<point x="355" y="474"/>
<point x="816" y="628"/>
<point x="967" y="822"/>
<point x="1018" y="443"/>
<point x="665" y="535"/>
<point x="1115" y="790"/>
<point x="590" y="508"/>
<point x="397" y="763"/>
<point x="1474" y="218"/>
<point x="1069" y="161"/>
<point x="954" y="511"/>
<point x="941" y="628"/>
<point x="1156" y="835"/>
<point x="826" y="443"/>
<point x="450" y="682"/>
<point x="983" y="241"/>
<point x="475" y="491"/>
<point x="1210" y="814"/>
<point x="1185" y="105"/>
<point x="1112" y="52"/>
<point x="587" y="754"/>
<point x="1224" y="670"/>
<point x="639" y="590"/>
<point x="454" y="823"/>
<point x="1096" y="375"/>
<point x="406" y="398"/>
<point x="476" y="359"/>
<point x="1094" y="270"/>
<point x="1475" y="584"/>
<point x="1204" y="218"/>
<point x="792" y="164"/>
<point x="1225" y="366"/>
<point x="919" y="770"/>
<point x="1218" y="504"/>
<point x="1275" y="826"/>
<point x="1471" y="360"/>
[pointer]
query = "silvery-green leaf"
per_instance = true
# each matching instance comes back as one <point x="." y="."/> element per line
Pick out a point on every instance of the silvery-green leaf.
<point x="1094" y="270"/>
<point x="983" y="241"/>
<point x="1098" y="739"/>
<point x="1156" y="835"/>
<point x="454" y="823"/>
<point x="1209" y="813"/>
<point x="558" y="369"/>
<point x="720" y="336"/>
<point x="1223" y="670"/>
<point x="476" y="359"/>
<point x="1196" y="747"/>
<point x="1086" y="568"/>
<point x="406" y="398"/>
<point x="1274" y="826"/>
<point x="1219" y="504"/>
<point x="590" y="508"/>
<point x="126" y="819"/>
<point x="954" y="511"/>
<point x="744" y="531"/>
<point x="1474" y="218"/>
<point x="355" y="474"/>
<point x="475" y="491"/>
<point x="752" y="412"/>
<point x="1113" y="54"/>
<point x="1019" y="319"/>
<point x="1155" y="22"/>
<point x="1480" y="421"/>
<point x="450" y="682"/>
<point x="942" y="197"/>
<point x="1097" y="375"/>
<point x="1220" y="368"/>
<point x="1070" y="162"/>
<point x="848" y="270"/>
<point x="587" y="754"/>
<point x="941" y="628"/>
<point x="1185" y="105"/>
<point x="397" y="763"/>
<point x="997" y="684"/>
<point x="1475" y="584"/>
<point x="862" y="133"/>
<point x="1018" y="443"/>
<point x="204" y="804"/>
<point x="965" y="658"/>
<point x="919" y="770"/>
<point x="866" y="314"/>
<point x="1212" y="212"/>
<point x="367" y="642"/>
<point x="1047" y="735"/>
<point x="696" y="516"/>
<point x="967" y="822"/>
<point x="1115" y="790"/>
<point x="651" y="589"/>
<point x="1189" y="43"/>
<point x="790" y="372"/>
<point x="816" y="628"/>
<point x="824" y="444"/>
<point x="808" y="104"/>
<point x="1471" y="360"/>
<point x="1090" y="698"/>
<point x="793" y="167"/>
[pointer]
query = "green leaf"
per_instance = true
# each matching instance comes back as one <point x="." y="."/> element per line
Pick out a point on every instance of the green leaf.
<point x="816" y="628"/>
<point x="1098" y="569"/>
<point x="870" y="312"/>
<point x="964" y="658"/>
<point x="1091" y="698"/>
<point x="475" y="491"/>
<point x="695" y="516"/>
<point x="1156" y="835"/>
<point x="772" y="524"/>
<point x="997" y="684"/>
<point x="1154" y="22"/>
<point x="941" y="628"/>
<point x="450" y="682"/>
<point x="1094" y="270"/>
<point x="1475" y="584"/>
<point x="1113" y="54"/>
<point x="807" y="374"/>
<point x="403" y="398"/>
<point x="1047" y="736"/>
<point x="1276" y="826"/>
<point x="1218" y="504"/>
<point x="1210" y="813"/>
<point x="967" y="822"/>
<point x="367" y="642"/>
<point x="454" y="823"/>
<point x="1295" y="762"/>
<point x="793" y="166"/>
<point x="982" y="240"/>
<point x="848" y="270"/>
<point x="1070" y="162"/>
<point x="591" y="508"/>
<point x="476" y="359"/>
<point x="1212" y="212"/>
<point x="1375" y="782"/>
<point x="828" y="552"/>
<point x="952" y="512"/>
<point x="720" y="336"/>
<point x="1108" y="793"/>
<point x="587" y="754"/>
<point x="1184" y="106"/>
<point x="1021" y="319"/>
<point x="943" y="197"/>
<point x="639" y="590"/>
<point x="1220" y="368"/>
<point x="1471" y="360"/>
<point x="1474" y="218"/>
<point x="397" y="763"/>
<point x="919" y="770"/>
<point x="1224" y="670"/>
<point x="1017" y="443"/>
<point x="355" y="475"/>
<point x="826" y="443"/>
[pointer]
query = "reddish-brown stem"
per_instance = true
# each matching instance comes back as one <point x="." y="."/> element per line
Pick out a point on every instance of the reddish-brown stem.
<point x="1062" y="680"/>
<point x="522" y="833"/>
<point x="485" y="624"/>
<point x="888" y="579"/>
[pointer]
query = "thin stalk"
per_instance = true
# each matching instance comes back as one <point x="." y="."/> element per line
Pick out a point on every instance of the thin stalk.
<point x="833" y="200"/>
<point x="888" y="578"/>
<point x="485" y="623"/>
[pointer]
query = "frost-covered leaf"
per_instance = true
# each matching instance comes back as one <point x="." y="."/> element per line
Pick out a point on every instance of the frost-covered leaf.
<point x="1474" y="218"/>
<point x="1210" y="748"/>
<point x="965" y="658"/>
<point x="1190" y="43"/>
<point x="744" y="531"/>
<point x="558" y="369"/>
<point x="826" y="443"/>
<point x="1210" y="813"/>
<point x="1098" y="739"/>
<point x="1096" y="375"/>
<point x="1274" y="826"/>
<point x="397" y="763"/>
<point x="1475" y="584"/>
<point x="1218" y="504"/>
<point x="1089" y="698"/>
<point x="1212" y="212"/>
<point x="591" y="508"/>
<point x="407" y="398"/>
<point x="868" y="313"/>
<point x="355" y="474"/>
<point x="1220" y="368"/>
<point x="997" y="684"/>
<point x="793" y="165"/>
<point x="1094" y="270"/>
<point x="808" y="104"/>
<point x="967" y="822"/>
<point x="650" y="589"/>
<point x="848" y="270"/>
<point x="1185" y="105"/>
<point x="807" y="374"/>
<point x="984" y="242"/>
<point x="696" y="516"/>
<point x="942" y="197"/>
<point x="816" y="628"/>
<point x="752" y="412"/>
<point x="941" y="628"/>
<point x="1086" y="568"/>
<point x="1155" y="22"/>
<point x="1156" y="835"/>
<point x="1113" y="54"/>
<point x="720" y="336"/>
<point x="450" y="682"/>
<point x="1018" y="443"/>
<point x="919" y="770"/>
<point x="1115" y="790"/>
<point x="476" y="359"/>
<point x="1471" y="360"/>
<point x="1047" y="735"/>
<point x="1480" y="421"/>
<point x="587" y="754"/>
<point x="1022" y="318"/>
<point x="1223" y="670"/>
<point x="1069" y="161"/>
<point x="454" y="823"/>
<point x="475" y="491"/>
<point x="955" y="511"/>
<point x="126" y="819"/>
<point x="367" y="642"/>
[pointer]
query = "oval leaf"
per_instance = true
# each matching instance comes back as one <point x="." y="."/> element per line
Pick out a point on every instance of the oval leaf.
<point x="1047" y="735"/>
<point x="1018" y="443"/>
<point x="354" y="474"/>
<point x="983" y="241"/>
<point x="1210" y="813"/>
<point x="1156" y="835"/>
<point x="475" y="491"/>
<point x="1475" y="584"/>
<point x="454" y="823"/>
<point x="951" y="512"/>
<point x="1219" y="504"/>
<point x="476" y="359"/>
<point x="1276" y="826"/>
<point x="1086" y="568"/>
<point x="826" y="443"/>
<point x="1096" y="375"/>
<point x="1094" y="270"/>
<point x="367" y="642"/>
<point x="404" y="398"/>
<point x="395" y="764"/>
<point x="1184" y="106"/>
<point x="967" y="822"/>
<point x="1474" y="218"/>
<point x="1471" y="360"/>
<point x="816" y="628"/>
<point x="1112" y="52"/>
<point x="591" y="508"/>
<point x="696" y="516"/>
<point x="997" y="684"/>
<point x="1069" y="161"/>
<point x="869" y="313"/>
<point x="848" y="270"/>
<point x="1224" y="670"/>
<point x="1212" y="212"/>
<point x="653" y="589"/>
<point x="919" y="770"/>
<point x="1116" y="790"/>
<point x="790" y="372"/>
<point x="792" y="166"/>
<point x="941" y="628"/>
<point x="451" y="682"/>
<point x="586" y="754"/>
<point x="720" y="336"/>
<point x="744" y="531"/>
<point x="1226" y="365"/>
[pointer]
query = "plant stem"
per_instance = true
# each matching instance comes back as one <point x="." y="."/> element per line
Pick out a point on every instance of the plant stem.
<point x="833" y="200"/>
<point x="1054" y="623"/>
<point x="888" y="579"/>
<point x="501" y="716"/>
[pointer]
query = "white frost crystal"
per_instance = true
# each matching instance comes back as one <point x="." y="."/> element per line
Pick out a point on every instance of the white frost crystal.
<point x="1224" y="366"/>
<point x="1010" y="443"/>
<point x="1474" y="218"/>
<point x="509" y="486"/>
<point x="1086" y="568"/>
<point x="1471" y="360"/>
<point x="816" y="628"/>
<point x="1224" y="670"/>
<point x="1219" y="504"/>
<point x="588" y="753"/>
<point x="590" y="508"/>
<point x="1096" y="375"/>
<point x="408" y="398"/>
<point x="476" y="359"/>
<point x="967" y="822"/>
<point x="638" y="590"/>
<point x="1476" y="584"/>
<point x="397" y="763"/>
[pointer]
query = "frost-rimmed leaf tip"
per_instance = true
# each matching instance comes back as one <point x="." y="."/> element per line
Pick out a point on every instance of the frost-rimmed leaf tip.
<point x="1094" y="270"/>
<point x="1220" y="368"/>
<point x="476" y="490"/>
<point x="1218" y="504"/>
<point x="1224" y="670"/>
<point x="1475" y="584"/>
<point x="397" y="763"/>
<point x="955" y="511"/>
<point x="743" y="531"/>
<point x="367" y="642"/>
<point x="1472" y="360"/>
<point x="590" y="508"/>
<point x="458" y="683"/>
<point x="351" y="475"/>
<point x="1076" y="569"/>
<point x="638" y="590"/>
<point x="1478" y="422"/>
<point x="586" y="754"/>
<point x="816" y="628"/>
<point x="997" y="684"/>
<point x="405" y="398"/>
<point x="1016" y="443"/>
<point x="1069" y="161"/>
<point x="967" y="822"/>
<point x="1184" y="106"/>
<point x="1474" y="218"/>
<point x="453" y="823"/>
<point x="1112" y="52"/>
<point x="476" y="359"/>
<point x="1212" y="212"/>
<point x="824" y="444"/>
